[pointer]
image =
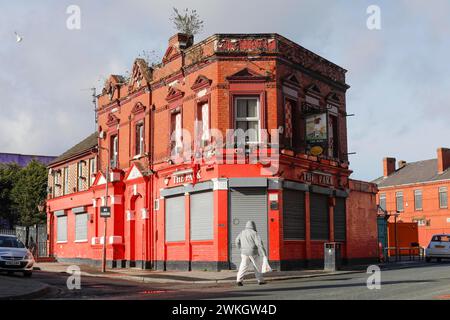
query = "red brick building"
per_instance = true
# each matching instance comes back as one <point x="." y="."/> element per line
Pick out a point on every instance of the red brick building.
<point x="183" y="185"/>
<point x="418" y="191"/>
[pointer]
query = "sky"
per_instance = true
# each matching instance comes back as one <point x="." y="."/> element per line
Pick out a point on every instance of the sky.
<point x="399" y="74"/>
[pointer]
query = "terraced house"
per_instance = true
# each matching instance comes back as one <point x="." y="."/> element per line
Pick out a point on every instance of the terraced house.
<point x="182" y="184"/>
<point x="418" y="191"/>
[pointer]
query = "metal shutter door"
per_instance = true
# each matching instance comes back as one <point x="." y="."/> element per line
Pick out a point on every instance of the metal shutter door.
<point x="246" y="204"/>
<point x="81" y="225"/>
<point x="319" y="217"/>
<point x="339" y="220"/>
<point x="293" y="214"/>
<point x="202" y="216"/>
<point x="175" y="218"/>
<point x="62" y="228"/>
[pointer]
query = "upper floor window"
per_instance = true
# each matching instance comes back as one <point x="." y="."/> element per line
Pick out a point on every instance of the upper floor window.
<point x="139" y="139"/>
<point x="382" y="201"/>
<point x="418" y="200"/>
<point x="203" y="119"/>
<point x="443" y="199"/>
<point x="399" y="201"/>
<point x="114" y="150"/>
<point x="177" y="133"/>
<point x="66" y="180"/>
<point x="80" y="176"/>
<point x="247" y="117"/>
<point x="92" y="170"/>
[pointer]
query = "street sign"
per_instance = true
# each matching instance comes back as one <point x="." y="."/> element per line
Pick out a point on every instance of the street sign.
<point x="105" y="212"/>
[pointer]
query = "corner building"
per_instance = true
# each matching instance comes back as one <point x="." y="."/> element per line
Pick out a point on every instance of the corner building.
<point x="172" y="211"/>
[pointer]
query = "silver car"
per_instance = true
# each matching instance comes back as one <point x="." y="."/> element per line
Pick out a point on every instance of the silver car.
<point x="14" y="256"/>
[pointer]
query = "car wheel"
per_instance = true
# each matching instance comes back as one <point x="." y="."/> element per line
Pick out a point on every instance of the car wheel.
<point x="10" y="273"/>
<point x="428" y="259"/>
<point x="27" y="274"/>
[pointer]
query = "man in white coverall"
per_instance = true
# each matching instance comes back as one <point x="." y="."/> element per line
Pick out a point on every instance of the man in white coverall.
<point x="252" y="252"/>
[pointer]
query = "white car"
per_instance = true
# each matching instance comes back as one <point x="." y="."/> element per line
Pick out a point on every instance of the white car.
<point x="439" y="248"/>
<point x="14" y="256"/>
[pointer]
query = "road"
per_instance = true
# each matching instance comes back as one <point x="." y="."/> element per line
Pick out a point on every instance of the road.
<point x="423" y="282"/>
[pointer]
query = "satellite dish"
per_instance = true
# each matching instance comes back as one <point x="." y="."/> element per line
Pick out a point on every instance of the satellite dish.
<point x="18" y="37"/>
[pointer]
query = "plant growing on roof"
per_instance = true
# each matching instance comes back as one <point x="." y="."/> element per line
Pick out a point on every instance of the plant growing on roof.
<point x="187" y="22"/>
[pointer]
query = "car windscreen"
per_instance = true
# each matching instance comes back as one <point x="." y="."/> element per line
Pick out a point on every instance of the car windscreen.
<point x="10" y="242"/>
<point x="441" y="238"/>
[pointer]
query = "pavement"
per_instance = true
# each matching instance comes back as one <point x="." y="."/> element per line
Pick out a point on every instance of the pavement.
<point x="210" y="277"/>
<point x="17" y="287"/>
<point x="185" y="277"/>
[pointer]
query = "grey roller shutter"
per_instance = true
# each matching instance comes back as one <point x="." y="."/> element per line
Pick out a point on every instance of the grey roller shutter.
<point x="320" y="226"/>
<point x="246" y="204"/>
<point x="202" y="216"/>
<point x="339" y="220"/>
<point x="81" y="227"/>
<point x="293" y="214"/>
<point x="175" y="219"/>
<point x="61" y="229"/>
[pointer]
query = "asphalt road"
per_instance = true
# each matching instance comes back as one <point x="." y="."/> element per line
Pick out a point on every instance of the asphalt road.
<point x="426" y="282"/>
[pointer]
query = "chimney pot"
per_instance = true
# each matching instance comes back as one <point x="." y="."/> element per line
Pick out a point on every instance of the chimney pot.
<point x="388" y="166"/>
<point x="443" y="157"/>
<point x="181" y="40"/>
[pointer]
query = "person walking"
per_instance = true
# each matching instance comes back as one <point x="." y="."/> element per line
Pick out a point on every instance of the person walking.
<point x="32" y="247"/>
<point x="252" y="252"/>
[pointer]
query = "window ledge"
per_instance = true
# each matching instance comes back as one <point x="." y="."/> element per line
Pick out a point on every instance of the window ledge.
<point x="61" y="242"/>
<point x="81" y="241"/>
<point x="138" y="156"/>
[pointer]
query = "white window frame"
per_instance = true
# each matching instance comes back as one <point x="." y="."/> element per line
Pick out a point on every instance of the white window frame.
<point x="397" y="195"/>
<point x="115" y="151"/>
<point x="66" y="180"/>
<point x="249" y="119"/>
<point x="139" y="147"/>
<point x="80" y="176"/>
<point x="92" y="170"/>
<point x="382" y="197"/>
<point x="440" y="191"/>
<point x="418" y="192"/>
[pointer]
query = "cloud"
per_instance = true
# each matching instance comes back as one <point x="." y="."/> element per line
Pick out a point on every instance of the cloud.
<point x="398" y="75"/>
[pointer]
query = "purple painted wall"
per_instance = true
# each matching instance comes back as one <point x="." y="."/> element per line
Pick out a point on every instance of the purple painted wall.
<point x="23" y="159"/>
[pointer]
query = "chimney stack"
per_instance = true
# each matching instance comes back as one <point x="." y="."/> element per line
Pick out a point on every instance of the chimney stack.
<point x="401" y="164"/>
<point x="388" y="166"/>
<point x="181" y="41"/>
<point x="443" y="157"/>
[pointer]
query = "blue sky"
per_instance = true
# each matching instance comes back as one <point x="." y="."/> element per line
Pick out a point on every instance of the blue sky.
<point x="399" y="75"/>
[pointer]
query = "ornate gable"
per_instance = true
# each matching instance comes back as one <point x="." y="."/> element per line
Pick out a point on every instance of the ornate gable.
<point x="171" y="53"/>
<point x="140" y="75"/>
<point x="247" y="74"/>
<point x="292" y="79"/>
<point x="314" y="90"/>
<point x="112" y="120"/>
<point x="174" y="94"/>
<point x="99" y="179"/>
<point x="138" y="108"/>
<point x="333" y="97"/>
<point x="111" y="84"/>
<point x="201" y="82"/>
<point x="134" y="173"/>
